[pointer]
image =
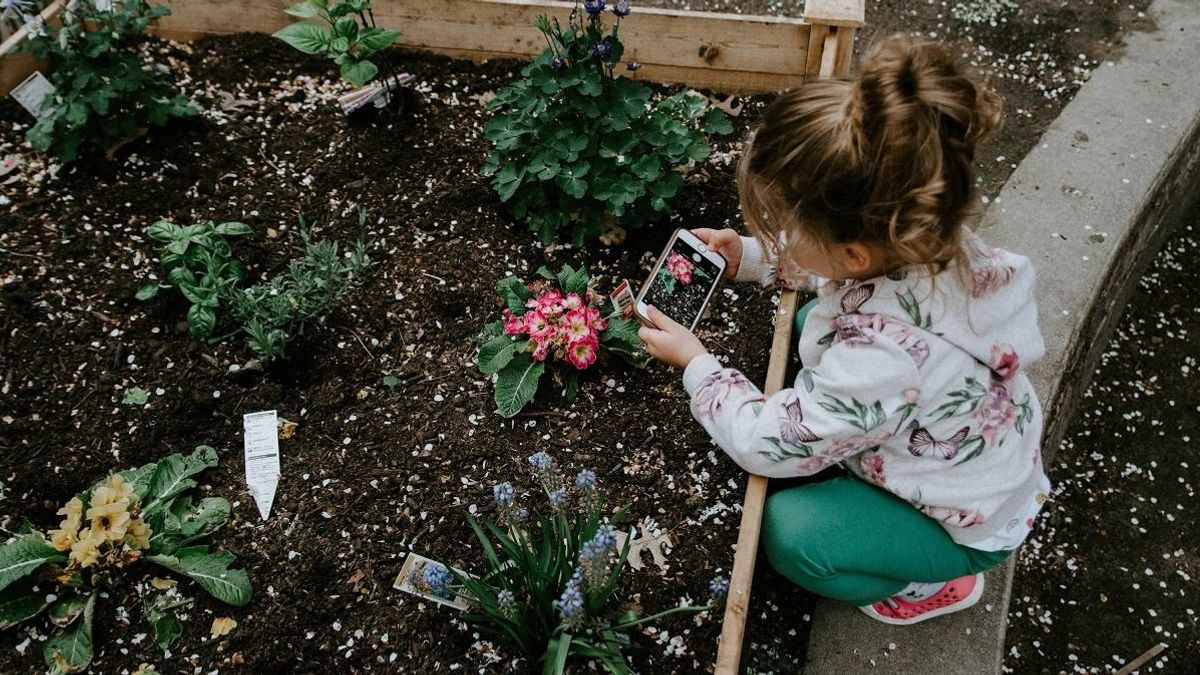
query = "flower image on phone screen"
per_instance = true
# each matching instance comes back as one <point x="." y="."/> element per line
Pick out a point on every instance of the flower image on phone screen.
<point x="682" y="284"/>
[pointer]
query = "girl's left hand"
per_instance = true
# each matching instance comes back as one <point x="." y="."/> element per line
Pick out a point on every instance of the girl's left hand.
<point x="668" y="341"/>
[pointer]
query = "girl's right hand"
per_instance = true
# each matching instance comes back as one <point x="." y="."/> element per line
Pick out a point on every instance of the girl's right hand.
<point x="726" y="243"/>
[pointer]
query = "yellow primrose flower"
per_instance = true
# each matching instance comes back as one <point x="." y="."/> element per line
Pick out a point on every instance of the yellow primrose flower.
<point x="109" y="522"/>
<point x="114" y="490"/>
<point x="86" y="551"/>
<point x="73" y="509"/>
<point x="137" y="534"/>
<point x="62" y="539"/>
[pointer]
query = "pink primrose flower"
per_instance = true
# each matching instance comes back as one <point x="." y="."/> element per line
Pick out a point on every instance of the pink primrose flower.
<point x="582" y="353"/>
<point x="513" y="324"/>
<point x="680" y="268"/>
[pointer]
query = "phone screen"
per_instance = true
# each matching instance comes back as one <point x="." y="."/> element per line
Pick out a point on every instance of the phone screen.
<point x="682" y="283"/>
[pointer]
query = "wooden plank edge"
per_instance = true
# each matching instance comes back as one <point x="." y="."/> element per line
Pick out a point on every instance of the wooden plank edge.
<point x="23" y="32"/>
<point x="849" y="13"/>
<point x="551" y="5"/>
<point x="741" y="579"/>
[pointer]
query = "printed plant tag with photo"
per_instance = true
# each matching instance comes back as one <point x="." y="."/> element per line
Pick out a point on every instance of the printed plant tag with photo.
<point x="623" y="300"/>
<point x="32" y="94"/>
<point x="411" y="579"/>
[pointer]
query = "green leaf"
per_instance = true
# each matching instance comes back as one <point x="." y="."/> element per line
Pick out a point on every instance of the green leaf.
<point x="202" y="321"/>
<point x="65" y="611"/>
<point x="23" y="556"/>
<point x="307" y="37"/>
<point x="391" y="381"/>
<point x="517" y="383"/>
<point x="232" y="229"/>
<point x="148" y="291"/>
<point x="514" y="293"/>
<point x="172" y="476"/>
<point x="135" y="396"/>
<point x="376" y="39"/>
<point x="556" y="654"/>
<point x="497" y="353"/>
<point x="573" y="280"/>
<point x="161" y="609"/>
<point x="304" y="10"/>
<point x="359" y="73"/>
<point x="184" y="523"/>
<point x="211" y="571"/>
<point x="717" y="122"/>
<point x="71" y="650"/>
<point x="570" y="384"/>
<point x="20" y="601"/>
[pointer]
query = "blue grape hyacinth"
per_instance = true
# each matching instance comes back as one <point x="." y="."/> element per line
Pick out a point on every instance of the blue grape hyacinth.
<point x="719" y="587"/>
<point x="506" y="600"/>
<point x="557" y="497"/>
<point x="570" y="603"/>
<point x="585" y="480"/>
<point x="541" y="461"/>
<point x="504" y="494"/>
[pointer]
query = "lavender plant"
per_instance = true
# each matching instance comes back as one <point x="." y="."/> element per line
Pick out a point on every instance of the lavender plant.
<point x="580" y="148"/>
<point x="551" y="587"/>
<point x="351" y="40"/>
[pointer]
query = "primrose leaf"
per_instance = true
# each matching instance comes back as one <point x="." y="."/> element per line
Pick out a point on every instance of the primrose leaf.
<point x="71" y="650"/>
<point x="135" y="396"/>
<point x="515" y="293"/>
<point x="65" y="611"/>
<point x="172" y="476"/>
<point x="517" y="383"/>
<point x="497" y="353"/>
<point x="211" y="571"/>
<point x="23" y="556"/>
<point x="161" y="611"/>
<point x="20" y="601"/>
<point x="573" y="280"/>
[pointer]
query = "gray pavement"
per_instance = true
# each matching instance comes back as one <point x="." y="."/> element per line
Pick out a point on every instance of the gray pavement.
<point x="1090" y="205"/>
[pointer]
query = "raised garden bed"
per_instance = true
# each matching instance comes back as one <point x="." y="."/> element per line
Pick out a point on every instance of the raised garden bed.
<point x="373" y="471"/>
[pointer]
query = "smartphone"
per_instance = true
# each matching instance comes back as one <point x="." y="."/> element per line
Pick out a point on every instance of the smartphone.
<point x="682" y="281"/>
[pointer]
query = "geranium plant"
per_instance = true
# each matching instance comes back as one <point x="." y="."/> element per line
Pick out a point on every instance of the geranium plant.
<point x="107" y="531"/>
<point x="351" y="38"/>
<point x="557" y="320"/>
<point x="103" y="92"/>
<point x="551" y="586"/>
<point x="580" y="148"/>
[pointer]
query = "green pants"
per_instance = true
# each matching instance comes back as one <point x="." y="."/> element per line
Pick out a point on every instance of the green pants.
<point x="849" y="540"/>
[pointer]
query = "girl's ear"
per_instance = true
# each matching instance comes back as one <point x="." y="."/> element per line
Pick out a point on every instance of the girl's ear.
<point x="858" y="259"/>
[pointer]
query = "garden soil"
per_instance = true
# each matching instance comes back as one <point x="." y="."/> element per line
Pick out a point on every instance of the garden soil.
<point x="372" y="471"/>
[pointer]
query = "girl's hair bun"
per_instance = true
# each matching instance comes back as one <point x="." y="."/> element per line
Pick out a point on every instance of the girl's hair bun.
<point x="920" y="78"/>
<point x="886" y="156"/>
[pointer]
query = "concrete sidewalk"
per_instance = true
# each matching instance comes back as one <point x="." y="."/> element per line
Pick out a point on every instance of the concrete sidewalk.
<point x="1090" y="206"/>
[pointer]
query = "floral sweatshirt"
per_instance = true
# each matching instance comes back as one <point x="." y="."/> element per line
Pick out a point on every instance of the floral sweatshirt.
<point x="912" y="385"/>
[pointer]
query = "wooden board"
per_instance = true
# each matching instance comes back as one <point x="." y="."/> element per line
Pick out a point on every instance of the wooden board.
<point x="725" y="52"/>
<point x="15" y="67"/>
<point x="848" y="13"/>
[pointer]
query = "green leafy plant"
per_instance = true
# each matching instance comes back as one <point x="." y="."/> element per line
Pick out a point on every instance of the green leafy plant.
<point x="108" y="531"/>
<point x="551" y="588"/>
<point x="557" y="320"/>
<point x="351" y="39"/>
<point x="103" y="92"/>
<point x="199" y="262"/>
<point x="579" y="149"/>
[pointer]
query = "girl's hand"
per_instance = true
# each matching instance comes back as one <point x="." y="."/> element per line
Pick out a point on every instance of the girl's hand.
<point x="725" y="242"/>
<point x="668" y="341"/>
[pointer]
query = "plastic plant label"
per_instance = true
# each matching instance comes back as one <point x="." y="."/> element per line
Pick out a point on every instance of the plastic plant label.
<point x="622" y="298"/>
<point x="262" y="458"/>
<point x="377" y="93"/>
<point x="32" y="94"/>
<point x="411" y="579"/>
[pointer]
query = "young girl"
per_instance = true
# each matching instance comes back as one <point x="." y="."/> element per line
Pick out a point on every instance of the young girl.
<point x="912" y="354"/>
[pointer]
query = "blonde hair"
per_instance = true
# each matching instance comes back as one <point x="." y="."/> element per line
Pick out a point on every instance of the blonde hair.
<point x="883" y="158"/>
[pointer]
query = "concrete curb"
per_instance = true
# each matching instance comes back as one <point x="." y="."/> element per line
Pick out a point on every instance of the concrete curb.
<point x="1090" y="206"/>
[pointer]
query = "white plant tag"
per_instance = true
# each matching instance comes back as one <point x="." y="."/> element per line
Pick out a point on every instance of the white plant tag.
<point x="412" y="580"/>
<point x="262" y="458"/>
<point x="32" y="93"/>
<point x="103" y="5"/>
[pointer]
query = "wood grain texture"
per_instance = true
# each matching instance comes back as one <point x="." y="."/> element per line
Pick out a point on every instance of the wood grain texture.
<point x="849" y="13"/>
<point x="15" y="67"/>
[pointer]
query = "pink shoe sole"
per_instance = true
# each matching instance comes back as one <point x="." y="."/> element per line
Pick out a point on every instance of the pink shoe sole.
<point x="946" y="601"/>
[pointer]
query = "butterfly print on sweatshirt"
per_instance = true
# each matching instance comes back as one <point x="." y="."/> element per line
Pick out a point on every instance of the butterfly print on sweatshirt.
<point x="921" y="441"/>
<point x="791" y="425"/>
